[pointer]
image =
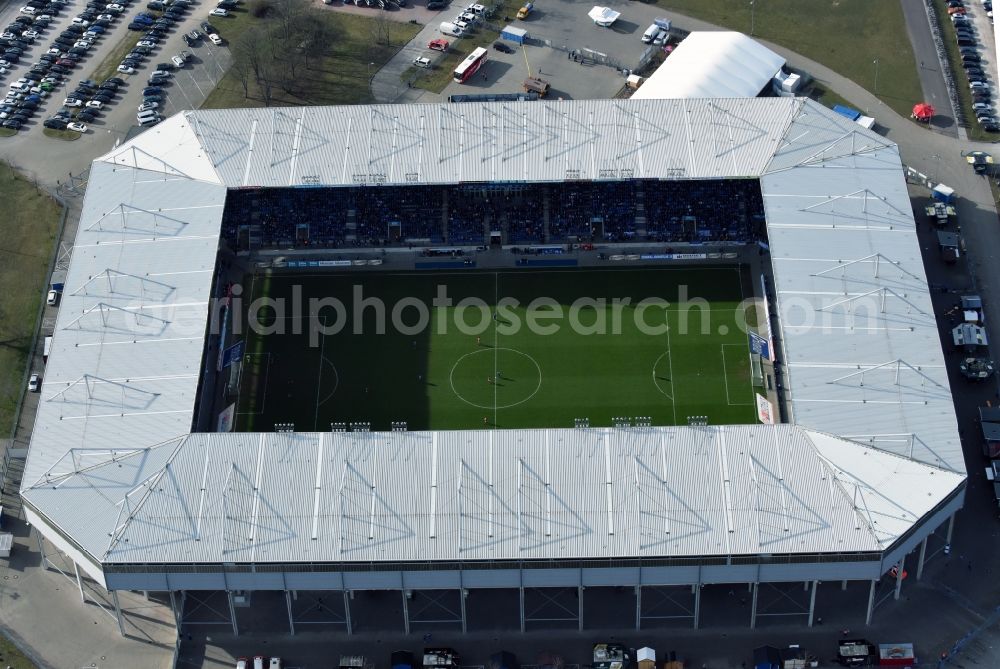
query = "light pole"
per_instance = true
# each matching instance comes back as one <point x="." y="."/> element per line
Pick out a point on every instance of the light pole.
<point x="751" y="16"/>
<point x="876" y="75"/>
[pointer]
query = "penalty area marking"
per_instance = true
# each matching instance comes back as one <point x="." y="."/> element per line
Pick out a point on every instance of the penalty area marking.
<point x="495" y="407"/>
<point x="725" y="377"/>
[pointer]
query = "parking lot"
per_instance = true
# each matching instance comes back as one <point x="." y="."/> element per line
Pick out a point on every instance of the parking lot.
<point x="113" y="120"/>
<point x="557" y="30"/>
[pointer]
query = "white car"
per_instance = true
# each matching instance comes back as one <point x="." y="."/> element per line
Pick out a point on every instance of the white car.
<point x="77" y="21"/>
<point x="218" y="11"/>
<point x="177" y="60"/>
<point x="125" y="69"/>
<point x="52" y="298"/>
<point x="105" y="17"/>
<point x="30" y="34"/>
<point x="115" y="7"/>
<point x="422" y="61"/>
<point x="28" y="10"/>
<point x="72" y="102"/>
<point x="54" y="51"/>
<point x="148" y="106"/>
<point x="34" y="383"/>
<point x="145" y="42"/>
<point x="76" y="127"/>
<point x="82" y="44"/>
<point x="94" y="104"/>
<point x="7" y="35"/>
<point x="215" y="39"/>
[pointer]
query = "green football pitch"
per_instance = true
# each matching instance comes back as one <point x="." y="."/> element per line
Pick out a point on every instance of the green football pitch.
<point x="497" y="349"/>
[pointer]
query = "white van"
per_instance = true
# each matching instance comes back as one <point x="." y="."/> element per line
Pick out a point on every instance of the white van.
<point x="652" y="32"/>
<point x="451" y="29"/>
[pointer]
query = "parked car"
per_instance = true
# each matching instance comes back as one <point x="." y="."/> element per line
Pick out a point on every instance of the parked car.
<point x="218" y="11"/>
<point x="77" y="127"/>
<point x="34" y="382"/>
<point x="126" y="69"/>
<point x="208" y="27"/>
<point x="215" y="39"/>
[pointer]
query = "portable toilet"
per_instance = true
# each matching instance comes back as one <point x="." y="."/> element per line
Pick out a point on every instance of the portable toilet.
<point x="514" y="34"/>
<point x="943" y="193"/>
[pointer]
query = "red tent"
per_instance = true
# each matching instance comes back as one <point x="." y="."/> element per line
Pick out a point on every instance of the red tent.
<point x="923" y="111"/>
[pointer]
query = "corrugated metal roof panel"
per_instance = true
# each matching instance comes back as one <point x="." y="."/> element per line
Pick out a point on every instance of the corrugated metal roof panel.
<point x="516" y="494"/>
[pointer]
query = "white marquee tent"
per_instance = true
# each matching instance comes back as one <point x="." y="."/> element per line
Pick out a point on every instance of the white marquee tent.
<point x="713" y="65"/>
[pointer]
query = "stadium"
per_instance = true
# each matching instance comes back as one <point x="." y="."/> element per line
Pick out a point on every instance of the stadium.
<point x="546" y="350"/>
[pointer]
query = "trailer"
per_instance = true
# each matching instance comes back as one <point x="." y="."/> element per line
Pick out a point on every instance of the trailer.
<point x="941" y="212"/>
<point x="896" y="655"/>
<point x="989" y="422"/>
<point x="943" y="193"/>
<point x="948" y="245"/>
<point x="993" y="476"/>
<point x="972" y="309"/>
<point x="976" y="368"/>
<point x="855" y="652"/>
<point x="969" y="336"/>
<point x="612" y="656"/>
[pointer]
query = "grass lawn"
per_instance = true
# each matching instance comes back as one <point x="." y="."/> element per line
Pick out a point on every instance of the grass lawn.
<point x="108" y="67"/>
<point x="436" y="79"/>
<point x="66" y="135"/>
<point x="339" y="76"/>
<point x="845" y="35"/>
<point x="475" y="361"/>
<point x="28" y="230"/>
<point x="958" y="72"/>
<point x="11" y="657"/>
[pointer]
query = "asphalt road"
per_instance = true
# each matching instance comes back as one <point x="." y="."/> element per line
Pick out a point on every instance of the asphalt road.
<point x="929" y="66"/>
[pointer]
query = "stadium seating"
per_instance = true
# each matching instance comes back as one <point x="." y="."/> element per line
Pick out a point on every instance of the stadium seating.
<point x="689" y="210"/>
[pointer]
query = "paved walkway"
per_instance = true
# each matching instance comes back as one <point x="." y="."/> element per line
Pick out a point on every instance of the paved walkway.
<point x="929" y="67"/>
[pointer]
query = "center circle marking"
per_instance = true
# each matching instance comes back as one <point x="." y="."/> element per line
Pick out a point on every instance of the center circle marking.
<point x="492" y="351"/>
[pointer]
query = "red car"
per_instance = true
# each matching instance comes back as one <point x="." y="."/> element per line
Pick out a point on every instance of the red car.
<point x="438" y="45"/>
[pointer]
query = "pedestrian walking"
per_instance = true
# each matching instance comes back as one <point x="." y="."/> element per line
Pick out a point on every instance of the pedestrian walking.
<point x="477" y="341"/>
<point x="485" y="422"/>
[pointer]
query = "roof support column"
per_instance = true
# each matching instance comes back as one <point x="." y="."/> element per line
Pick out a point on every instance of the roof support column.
<point x="288" y="605"/>
<point x="951" y="527"/>
<point x="697" y="603"/>
<point x="579" y="607"/>
<point x="461" y="602"/>
<point x="173" y="609"/>
<point x="638" y="607"/>
<point x="406" y="613"/>
<point x="232" y="612"/>
<point x="347" y="612"/>
<point x="79" y="582"/>
<point x="753" y="607"/>
<point x="521" y="609"/>
<point x="41" y="548"/>
<point x="899" y="576"/>
<point x="843" y="584"/>
<point x="812" y="604"/>
<point x="871" y="603"/>
<point x="118" y="612"/>
<point x="920" y="560"/>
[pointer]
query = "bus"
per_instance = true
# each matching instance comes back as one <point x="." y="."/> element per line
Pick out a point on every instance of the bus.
<point x="470" y="65"/>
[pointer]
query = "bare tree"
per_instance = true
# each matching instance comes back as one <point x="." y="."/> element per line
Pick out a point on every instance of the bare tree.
<point x="249" y="48"/>
<point x="380" y="29"/>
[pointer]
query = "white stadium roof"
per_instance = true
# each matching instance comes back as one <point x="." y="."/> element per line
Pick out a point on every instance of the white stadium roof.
<point x="114" y="475"/>
<point x="712" y="65"/>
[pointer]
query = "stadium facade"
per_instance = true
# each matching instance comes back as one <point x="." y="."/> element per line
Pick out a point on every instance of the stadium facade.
<point x="870" y="465"/>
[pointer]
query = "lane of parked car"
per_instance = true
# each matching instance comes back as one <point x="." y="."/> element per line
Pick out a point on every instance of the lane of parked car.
<point x="969" y="46"/>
